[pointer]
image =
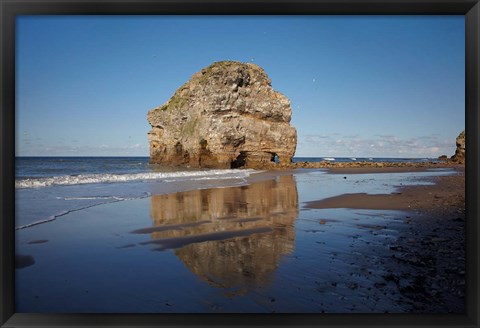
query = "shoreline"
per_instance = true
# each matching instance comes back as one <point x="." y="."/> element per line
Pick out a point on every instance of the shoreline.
<point x="427" y="259"/>
<point x="358" y="164"/>
<point x="439" y="197"/>
<point x="236" y="246"/>
<point x="391" y="169"/>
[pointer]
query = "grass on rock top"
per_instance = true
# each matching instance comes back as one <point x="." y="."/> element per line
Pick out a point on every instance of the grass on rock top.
<point x="207" y="72"/>
<point x="179" y="99"/>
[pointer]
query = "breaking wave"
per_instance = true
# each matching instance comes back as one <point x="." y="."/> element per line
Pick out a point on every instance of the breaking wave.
<point x="148" y="176"/>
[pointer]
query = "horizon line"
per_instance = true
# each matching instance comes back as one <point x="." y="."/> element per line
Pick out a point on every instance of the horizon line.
<point x="99" y="156"/>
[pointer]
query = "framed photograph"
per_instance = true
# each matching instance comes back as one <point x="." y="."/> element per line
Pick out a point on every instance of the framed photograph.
<point x="239" y="163"/>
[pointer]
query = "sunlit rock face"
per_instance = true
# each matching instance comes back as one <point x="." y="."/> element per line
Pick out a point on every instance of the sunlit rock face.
<point x="226" y="116"/>
<point x="230" y="237"/>
<point x="459" y="155"/>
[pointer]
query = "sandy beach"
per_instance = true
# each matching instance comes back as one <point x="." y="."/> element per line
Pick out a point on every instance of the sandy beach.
<point x="444" y="195"/>
<point x="433" y="241"/>
<point x="295" y="241"/>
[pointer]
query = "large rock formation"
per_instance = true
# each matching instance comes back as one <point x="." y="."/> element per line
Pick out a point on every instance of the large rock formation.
<point x="226" y="116"/>
<point x="459" y="155"/>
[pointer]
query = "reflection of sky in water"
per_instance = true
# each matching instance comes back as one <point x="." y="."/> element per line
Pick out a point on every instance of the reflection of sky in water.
<point x="318" y="184"/>
<point x="248" y="249"/>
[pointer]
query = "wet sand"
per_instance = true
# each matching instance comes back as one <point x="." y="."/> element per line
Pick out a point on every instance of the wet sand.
<point x="445" y="195"/>
<point x="23" y="261"/>
<point x="427" y="261"/>
<point x="263" y="247"/>
<point x="391" y="169"/>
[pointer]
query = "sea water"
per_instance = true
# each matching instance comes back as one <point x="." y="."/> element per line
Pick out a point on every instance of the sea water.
<point x="365" y="159"/>
<point x="50" y="187"/>
<point x="121" y="235"/>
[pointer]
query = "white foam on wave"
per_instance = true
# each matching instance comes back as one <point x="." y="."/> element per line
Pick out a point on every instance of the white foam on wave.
<point x="147" y="176"/>
<point x="329" y="158"/>
<point x="93" y="198"/>
<point x="49" y="219"/>
<point x="54" y="217"/>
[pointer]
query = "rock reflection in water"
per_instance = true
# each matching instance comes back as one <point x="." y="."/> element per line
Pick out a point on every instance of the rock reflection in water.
<point x="230" y="237"/>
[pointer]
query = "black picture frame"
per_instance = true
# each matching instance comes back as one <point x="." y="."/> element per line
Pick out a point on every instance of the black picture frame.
<point x="9" y="9"/>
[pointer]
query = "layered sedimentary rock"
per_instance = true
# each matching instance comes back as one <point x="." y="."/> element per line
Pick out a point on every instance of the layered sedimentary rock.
<point x="459" y="155"/>
<point x="226" y="116"/>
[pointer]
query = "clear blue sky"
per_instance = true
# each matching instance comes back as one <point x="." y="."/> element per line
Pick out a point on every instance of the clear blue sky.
<point x="373" y="86"/>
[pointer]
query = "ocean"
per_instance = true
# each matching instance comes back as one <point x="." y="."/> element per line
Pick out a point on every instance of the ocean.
<point x="36" y="168"/>
<point x="365" y="159"/>
<point x="118" y="235"/>
<point x="50" y="187"/>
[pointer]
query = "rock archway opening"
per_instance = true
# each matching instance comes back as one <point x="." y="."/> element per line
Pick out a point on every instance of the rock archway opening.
<point x="275" y="158"/>
<point x="240" y="161"/>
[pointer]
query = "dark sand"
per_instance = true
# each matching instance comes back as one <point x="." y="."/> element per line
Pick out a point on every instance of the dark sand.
<point x="427" y="265"/>
<point x="444" y="196"/>
<point x="178" y="242"/>
<point x="169" y="227"/>
<point x="389" y="169"/>
<point x="40" y="241"/>
<point x="23" y="261"/>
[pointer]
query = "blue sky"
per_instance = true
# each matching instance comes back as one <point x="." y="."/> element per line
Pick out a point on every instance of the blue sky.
<point x="373" y="86"/>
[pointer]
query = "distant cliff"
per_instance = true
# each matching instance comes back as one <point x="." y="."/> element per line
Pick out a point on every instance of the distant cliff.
<point x="459" y="155"/>
<point x="226" y="116"/>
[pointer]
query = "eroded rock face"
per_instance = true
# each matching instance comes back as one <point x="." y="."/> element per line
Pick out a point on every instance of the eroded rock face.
<point x="226" y="116"/>
<point x="459" y="155"/>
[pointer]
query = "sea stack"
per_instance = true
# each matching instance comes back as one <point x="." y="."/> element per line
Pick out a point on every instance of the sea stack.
<point x="459" y="155"/>
<point x="226" y="116"/>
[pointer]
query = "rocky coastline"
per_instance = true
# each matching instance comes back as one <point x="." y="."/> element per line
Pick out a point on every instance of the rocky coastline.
<point x="226" y="116"/>
<point x="339" y="165"/>
<point x="229" y="116"/>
